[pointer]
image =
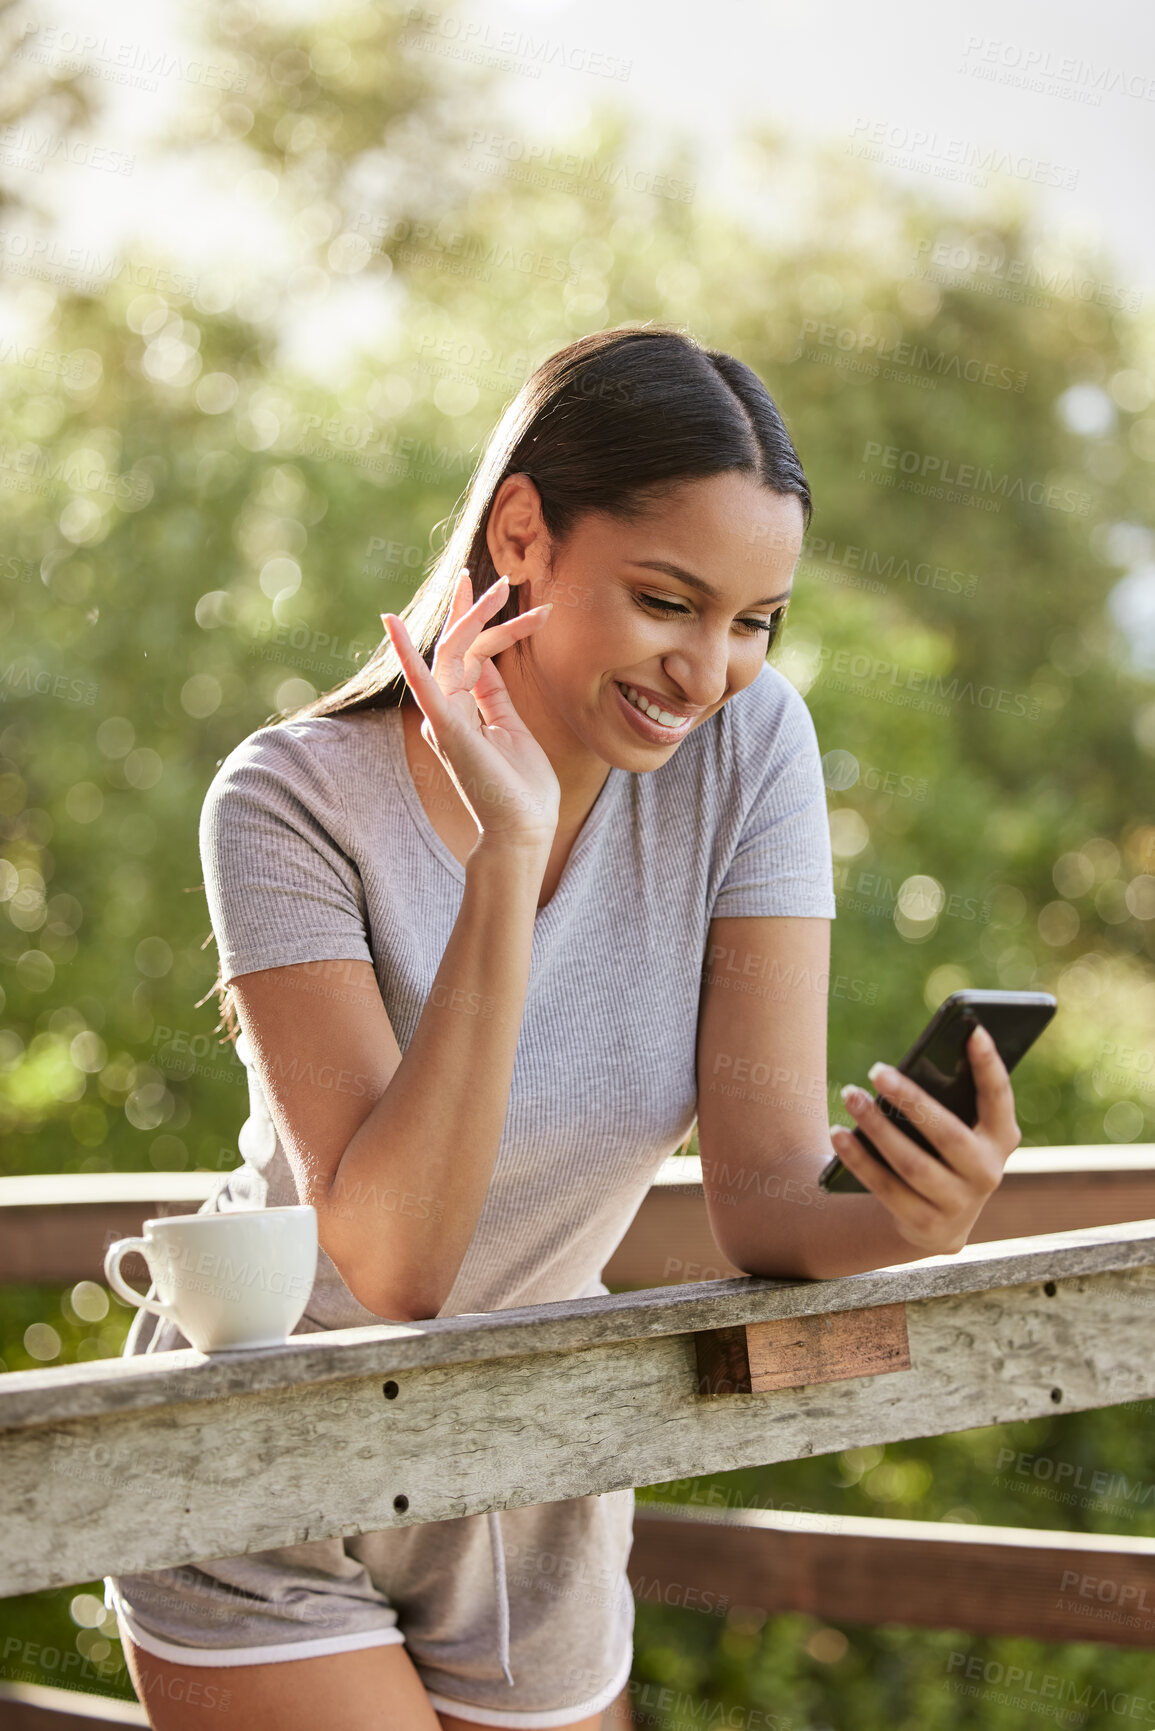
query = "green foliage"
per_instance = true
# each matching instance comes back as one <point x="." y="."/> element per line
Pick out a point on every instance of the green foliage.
<point x="200" y="534"/>
<point x="209" y="537"/>
<point x="795" y="1673"/>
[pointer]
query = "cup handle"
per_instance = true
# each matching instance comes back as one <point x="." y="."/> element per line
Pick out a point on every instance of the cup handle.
<point x="121" y="1287"/>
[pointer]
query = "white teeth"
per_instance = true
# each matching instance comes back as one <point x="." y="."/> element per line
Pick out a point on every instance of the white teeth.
<point x="662" y="716"/>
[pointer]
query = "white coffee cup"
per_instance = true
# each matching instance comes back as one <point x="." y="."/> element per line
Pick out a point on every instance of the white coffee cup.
<point x="233" y="1280"/>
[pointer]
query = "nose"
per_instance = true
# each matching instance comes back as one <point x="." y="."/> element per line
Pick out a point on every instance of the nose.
<point x="700" y="667"/>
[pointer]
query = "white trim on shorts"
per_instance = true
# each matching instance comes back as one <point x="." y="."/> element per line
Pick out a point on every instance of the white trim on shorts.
<point x="315" y="1649"/>
<point x="208" y="1656"/>
<point x="538" y="1721"/>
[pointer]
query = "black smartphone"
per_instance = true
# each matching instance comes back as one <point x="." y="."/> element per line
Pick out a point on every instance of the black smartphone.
<point x="938" y="1062"/>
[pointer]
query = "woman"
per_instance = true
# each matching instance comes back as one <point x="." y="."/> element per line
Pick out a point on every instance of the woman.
<point x="546" y="880"/>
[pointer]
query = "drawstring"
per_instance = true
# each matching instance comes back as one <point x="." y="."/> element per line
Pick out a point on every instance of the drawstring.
<point x="497" y="1548"/>
<point x="501" y="1590"/>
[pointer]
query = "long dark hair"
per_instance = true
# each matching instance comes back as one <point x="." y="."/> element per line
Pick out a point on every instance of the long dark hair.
<point x="608" y="423"/>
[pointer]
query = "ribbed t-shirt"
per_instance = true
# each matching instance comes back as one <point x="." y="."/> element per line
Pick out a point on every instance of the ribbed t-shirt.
<point x="316" y="847"/>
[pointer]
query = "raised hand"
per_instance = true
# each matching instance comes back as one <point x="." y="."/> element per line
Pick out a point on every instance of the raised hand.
<point x="494" y="761"/>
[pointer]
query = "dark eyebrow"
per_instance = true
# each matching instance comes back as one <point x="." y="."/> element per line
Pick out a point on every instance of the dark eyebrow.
<point x="698" y="582"/>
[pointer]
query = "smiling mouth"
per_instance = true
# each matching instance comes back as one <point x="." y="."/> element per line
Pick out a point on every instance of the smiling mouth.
<point x="653" y="711"/>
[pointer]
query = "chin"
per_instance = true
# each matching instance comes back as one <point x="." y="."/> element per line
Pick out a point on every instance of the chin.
<point x="638" y="756"/>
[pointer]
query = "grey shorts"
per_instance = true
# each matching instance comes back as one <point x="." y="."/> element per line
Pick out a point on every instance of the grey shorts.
<point x="431" y="1586"/>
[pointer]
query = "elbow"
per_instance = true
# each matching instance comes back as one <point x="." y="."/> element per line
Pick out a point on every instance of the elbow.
<point x="394" y="1300"/>
<point x="776" y="1258"/>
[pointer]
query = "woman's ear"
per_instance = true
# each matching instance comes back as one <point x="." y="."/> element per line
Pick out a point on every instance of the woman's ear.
<point x="515" y="531"/>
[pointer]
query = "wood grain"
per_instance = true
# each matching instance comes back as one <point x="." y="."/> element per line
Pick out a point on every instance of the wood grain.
<point x="258" y="1465"/>
<point x="793" y="1352"/>
<point x="107" y="1386"/>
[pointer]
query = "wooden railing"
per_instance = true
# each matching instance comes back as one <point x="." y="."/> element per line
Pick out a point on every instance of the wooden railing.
<point x="56" y="1228"/>
<point x="117" y="1465"/>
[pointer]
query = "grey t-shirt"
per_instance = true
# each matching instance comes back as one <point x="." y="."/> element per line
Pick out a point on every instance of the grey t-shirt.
<point x="316" y="847"/>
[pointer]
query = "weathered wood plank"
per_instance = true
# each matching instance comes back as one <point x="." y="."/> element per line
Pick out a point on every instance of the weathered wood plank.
<point x="792" y="1351"/>
<point x="1048" y="1586"/>
<point x="160" y="1486"/>
<point x="106" y="1386"/>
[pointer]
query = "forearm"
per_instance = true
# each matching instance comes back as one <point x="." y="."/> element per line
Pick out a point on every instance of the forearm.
<point x="781" y="1224"/>
<point x="432" y="1137"/>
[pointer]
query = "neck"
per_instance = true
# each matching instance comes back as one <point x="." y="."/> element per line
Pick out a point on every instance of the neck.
<point x="581" y="774"/>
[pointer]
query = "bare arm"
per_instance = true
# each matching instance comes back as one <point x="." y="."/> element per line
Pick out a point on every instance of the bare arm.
<point x="396" y="1152"/>
<point x="764" y="1128"/>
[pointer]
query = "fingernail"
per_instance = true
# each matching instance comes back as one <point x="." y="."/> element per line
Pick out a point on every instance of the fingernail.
<point x="882" y="1073"/>
<point x="854" y="1097"/>
<point x="983" y="1040"/>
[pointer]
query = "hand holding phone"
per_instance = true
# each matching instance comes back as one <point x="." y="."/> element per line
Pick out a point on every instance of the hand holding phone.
<point x="936" y="1082"/>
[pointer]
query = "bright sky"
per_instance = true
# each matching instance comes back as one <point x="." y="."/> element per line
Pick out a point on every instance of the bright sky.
<point x="1067" y="95"/>
<point x="1064" y="97"/>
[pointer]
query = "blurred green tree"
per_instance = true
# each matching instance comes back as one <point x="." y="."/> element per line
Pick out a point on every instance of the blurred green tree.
<point x="201" y="535"/>
<point x="201" y="531"/>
